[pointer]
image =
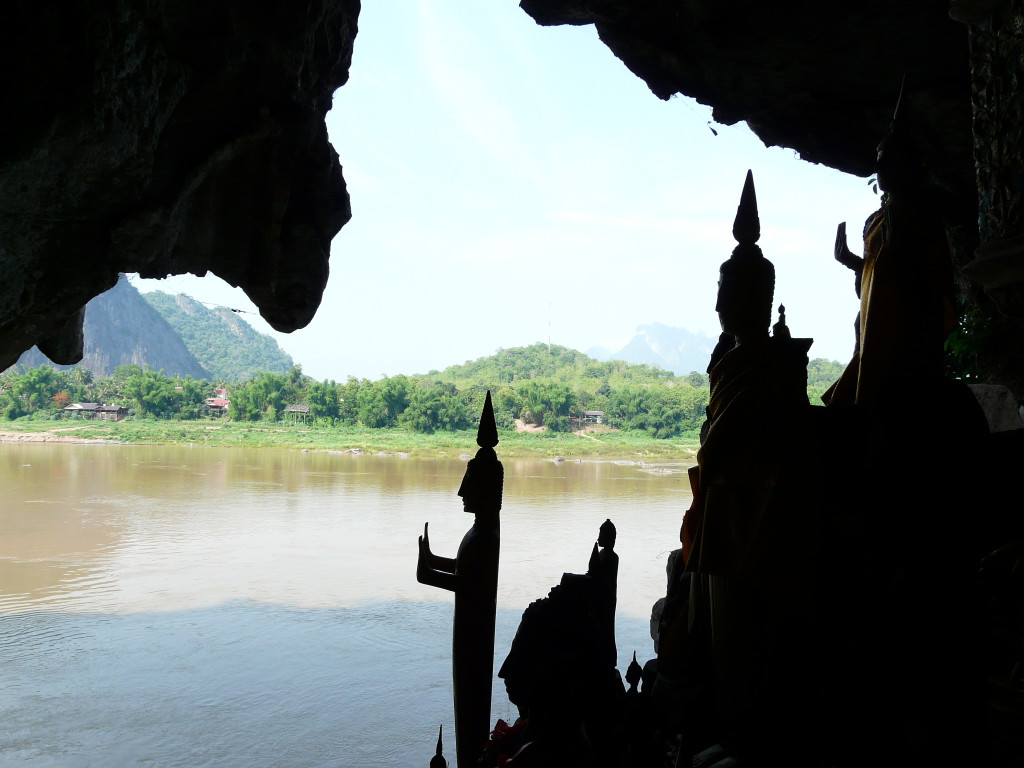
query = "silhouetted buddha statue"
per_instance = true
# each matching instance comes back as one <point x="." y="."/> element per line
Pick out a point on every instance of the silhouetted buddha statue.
<point x="473" y="576"/>
<point x="896" y="376"/>
<point x="755" y="388"/>
<point x="604" y="567"/>
<point x="749" y="534"/>
<point x="905" y="279"/>
<point x="557" y="674"/>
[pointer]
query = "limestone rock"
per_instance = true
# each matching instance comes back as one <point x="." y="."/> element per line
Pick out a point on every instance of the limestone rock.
<point x="163" y="138"/>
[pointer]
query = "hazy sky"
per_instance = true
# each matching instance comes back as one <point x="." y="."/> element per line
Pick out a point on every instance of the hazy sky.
<point x="506" y="177"/>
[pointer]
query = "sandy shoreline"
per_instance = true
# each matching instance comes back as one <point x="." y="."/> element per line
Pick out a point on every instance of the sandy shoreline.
<point x="7" y="436"/>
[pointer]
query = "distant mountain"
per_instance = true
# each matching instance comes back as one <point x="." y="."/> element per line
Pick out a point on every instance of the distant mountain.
<point x="672" y="349"/>
<point x="227" y="346"/>
<point x="121" y="328"/>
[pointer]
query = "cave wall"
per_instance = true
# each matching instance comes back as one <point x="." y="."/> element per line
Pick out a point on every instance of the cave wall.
<point x="166" y="137"/>
<point x="994" y="278"/>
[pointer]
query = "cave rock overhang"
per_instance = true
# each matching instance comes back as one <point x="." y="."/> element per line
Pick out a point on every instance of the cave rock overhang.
<point x="820" y="78"/>
<point x="165" y="138"/>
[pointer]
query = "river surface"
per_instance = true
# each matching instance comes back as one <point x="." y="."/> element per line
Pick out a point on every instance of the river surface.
<point x="174" y="606"/>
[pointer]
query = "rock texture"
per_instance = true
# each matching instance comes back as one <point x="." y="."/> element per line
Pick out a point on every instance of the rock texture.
<point x="167" y="137"/>
<point x="821" y="78"/>
<point x="122" y="328"/>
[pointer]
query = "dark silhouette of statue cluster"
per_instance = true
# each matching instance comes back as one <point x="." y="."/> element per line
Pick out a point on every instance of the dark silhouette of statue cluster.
<point x="557" y="674"/>
<point x="473" y="576"/>
<point x="560" y="673"/>
<point x="897" y="399"/>
<point x="812" y="613"/>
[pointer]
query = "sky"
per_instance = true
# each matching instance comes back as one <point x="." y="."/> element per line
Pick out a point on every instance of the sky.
<point x="513" y="183"/>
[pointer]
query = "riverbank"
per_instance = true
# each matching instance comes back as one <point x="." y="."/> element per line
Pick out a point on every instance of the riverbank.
<point x="222" y="433"/>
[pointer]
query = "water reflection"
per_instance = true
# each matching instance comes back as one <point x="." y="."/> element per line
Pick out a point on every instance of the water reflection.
<point x="258" y="607"/>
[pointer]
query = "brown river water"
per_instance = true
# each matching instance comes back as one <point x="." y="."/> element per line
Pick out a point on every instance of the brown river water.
<point x="175" y="606"/>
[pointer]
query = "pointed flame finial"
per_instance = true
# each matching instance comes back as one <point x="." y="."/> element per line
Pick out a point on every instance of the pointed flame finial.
<point x="487" y="432"/>
<point x="747" y="226"/>
<point x="899" y="99"/>
<point x="438" y="761"/>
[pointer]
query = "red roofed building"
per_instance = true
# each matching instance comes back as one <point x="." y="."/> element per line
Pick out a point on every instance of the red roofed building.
<point x="218" y="404"/>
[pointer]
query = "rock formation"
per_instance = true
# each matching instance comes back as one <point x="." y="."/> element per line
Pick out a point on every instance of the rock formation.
<point x="164" y="138"/>
<point x="121" y="328"/>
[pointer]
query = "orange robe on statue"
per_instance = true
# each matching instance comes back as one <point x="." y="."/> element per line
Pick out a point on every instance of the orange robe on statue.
<point x="906" y="301"/>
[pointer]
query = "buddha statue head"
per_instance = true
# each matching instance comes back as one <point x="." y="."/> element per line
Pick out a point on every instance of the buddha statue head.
<point x="482" y="484"/>
<point x="746" y="282"/>
<point x="898" y="163"/>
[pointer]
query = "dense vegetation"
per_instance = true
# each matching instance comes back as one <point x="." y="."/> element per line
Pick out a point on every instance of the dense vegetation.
<point x="539" y="385"/>
<point x="226" y="346"/>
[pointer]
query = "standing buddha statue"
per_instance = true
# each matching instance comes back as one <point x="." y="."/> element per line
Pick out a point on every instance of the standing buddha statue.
<point x="473" y="576"/>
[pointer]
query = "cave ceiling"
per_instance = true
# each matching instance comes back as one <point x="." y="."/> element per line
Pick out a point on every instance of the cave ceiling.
<point x="821" y="78"/>
<point x="188" y="136"/>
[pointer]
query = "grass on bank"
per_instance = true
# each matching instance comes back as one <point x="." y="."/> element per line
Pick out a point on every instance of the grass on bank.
<point x="224" y="433"/>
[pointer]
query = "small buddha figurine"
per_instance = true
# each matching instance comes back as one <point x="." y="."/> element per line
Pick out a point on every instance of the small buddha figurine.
<point x="780" y="330"/>
<point x="473" y="576"/>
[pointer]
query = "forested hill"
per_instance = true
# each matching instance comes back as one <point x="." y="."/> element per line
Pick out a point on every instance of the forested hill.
<point x="520" y="364"/>
<point x="549" y="361"/>
<point x="227" y="346"/>
<point x="550" y="385"/>
<point x="121" y="328"/>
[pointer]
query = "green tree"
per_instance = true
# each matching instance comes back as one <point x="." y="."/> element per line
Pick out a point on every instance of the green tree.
<point x="348" y="401"/>
<point x="371" y="408"/>
<point x="324" y="402"/>
<point x="152" y="392"/>
<point x="436" y="407"/>
<point x="36" y="388"/>
<point x="652" y="409"/>
<point x="696" y="379"/>
<point x="381" y="403"/>
<point x="191" y="397"/>
<point x="264" y="396"/>
<point x="548" y="403"/>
